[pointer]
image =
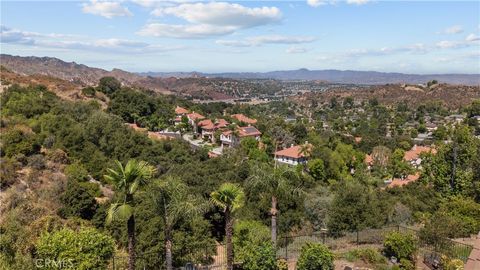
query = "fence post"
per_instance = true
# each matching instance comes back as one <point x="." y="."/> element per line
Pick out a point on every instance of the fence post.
<point x="357" y="238"/>
<point x="286" y="247"/>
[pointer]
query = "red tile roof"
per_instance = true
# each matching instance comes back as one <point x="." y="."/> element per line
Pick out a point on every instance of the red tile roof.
<point x="397" y="182"/>
<point x="194" y="116"/>
<point x="242" y="118"/>
<point x="221" y="123"/>
<point x="293" y="152"/>
<point x="245" y="132"/>
<point x="415" y="152"/>
<point x="180" y="110"/>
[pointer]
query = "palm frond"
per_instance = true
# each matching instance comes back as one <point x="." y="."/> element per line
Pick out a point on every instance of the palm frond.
<point x="118" y="211"/>
<point x="229" y="196"/>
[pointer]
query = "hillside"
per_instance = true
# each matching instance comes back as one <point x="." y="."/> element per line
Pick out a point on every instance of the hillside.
<point x="340" y="76"/>
<point x="452" y="96"/>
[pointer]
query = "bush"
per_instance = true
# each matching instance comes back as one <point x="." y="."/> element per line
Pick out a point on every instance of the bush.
<point x="77" y="172"/>
<point x="248" y="233"/>
<point x="406" y="264"/>
<point x="282" y="264"/>
<point x="88" y="91"/>
<point x="261" y="257"/>
<point x="85" y="249"/>
<point x="8" y="174"/>
<point x="16" y="142"/>
<point x="109" y="85"/>
<point x="78" y="200"/>
<point x="315" y="257"/>
<point x="400" y="245"/>
<point x="37" y="162"/>
<point x="367" y="255"/>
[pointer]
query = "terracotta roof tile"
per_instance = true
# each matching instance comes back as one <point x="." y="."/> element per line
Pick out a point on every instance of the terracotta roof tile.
<point x="293" y="152"/>
<point x="242" y="118"/>
<point x="180" y="110"/>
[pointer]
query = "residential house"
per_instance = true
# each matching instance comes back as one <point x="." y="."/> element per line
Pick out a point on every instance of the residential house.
<point x="398" y="182"/>
<point x="208" y="128"/>
<point x="179" y="113"/>
<point x="193" y="118"/>
<point x="230" y="138"/>
<point x="244" y="119"/>
<point x="412" y="156"/>
<point x="292" y="155"/>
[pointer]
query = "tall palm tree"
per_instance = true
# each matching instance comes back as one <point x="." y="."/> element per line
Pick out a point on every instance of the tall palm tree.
<point x="229" y="197"/>
<point x="273" y="182"/>
<point x="173" y="203"/>
<point x="127" y="180"/>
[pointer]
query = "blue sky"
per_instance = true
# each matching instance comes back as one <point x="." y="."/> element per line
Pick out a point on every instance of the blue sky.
<point x="143" y="35"/>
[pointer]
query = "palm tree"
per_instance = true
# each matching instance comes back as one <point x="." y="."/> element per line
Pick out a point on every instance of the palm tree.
<point x="273" y="182"/>
<point x="229" y="197"/>
<point x="173" y="203"/>
<point x="127" y="180"/>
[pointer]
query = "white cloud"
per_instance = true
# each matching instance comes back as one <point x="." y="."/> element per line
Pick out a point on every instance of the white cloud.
<point x="267" y="39"/>
<point x="450" y="44"/>
<point x="472" y="37"/>
<point x="357" y="2"/>
<point x="71" y="42"/>
<point x="455" y="29"/>
<point x="209" y="19"/>
<point x="106" y="9"/>
<point x="316" y="3"/>
<point x="295" y="49"/>
<point x="185" y="31"/>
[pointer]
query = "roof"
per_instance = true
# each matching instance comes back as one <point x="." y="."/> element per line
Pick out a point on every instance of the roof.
<point x="242" y="118"/>
<point x="293" y="152"/>
<point x="397" y="182"/>
<point x="415" y="152"/>
<point x="221" y="123"/>
<point x="195" y="116"/>
<point x="245" y="132"/>
<point x="180" y="110"/>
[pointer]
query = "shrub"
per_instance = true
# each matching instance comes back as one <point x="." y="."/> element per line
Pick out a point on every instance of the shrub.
<point x="315" y="257"/>
<point x="262" y="257"/>
<point x="8" y="174"/>
<point x="248" y="233"/>
<point x="406" y="264"/>
<point x="367" y="255"/>
<point x="282" y="264"/>
<point x="37" y="162"/>
<point x="88" y="91"/>
<point x="85" y="249"/>
<point x="78" y="201"/>
<point x="16" y="141"/>
<point x="400" y="245"/>
<point x="77" y="172"/>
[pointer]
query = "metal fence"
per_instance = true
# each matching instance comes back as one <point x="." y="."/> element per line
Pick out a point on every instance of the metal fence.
<point x="213" y="257"/>
<point x="289" y="247"/>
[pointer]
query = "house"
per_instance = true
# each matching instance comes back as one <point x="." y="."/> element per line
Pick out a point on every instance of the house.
<point x="412" y="156"/>
<point x="456" y="118"/>
<point x="242" y="118"/>
<point x="398" y="182"/>
<point x="193" y="118"/>
<point x="179" y="113"/>
<point x="208" y="128"/>
<point x="232" y="139"/>
<point x="423" y="138"/>
<point x="292" y="155"/>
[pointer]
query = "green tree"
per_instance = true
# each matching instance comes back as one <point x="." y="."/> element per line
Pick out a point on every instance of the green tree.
<point x="273" y="182"/>
<point x="173" y="202"/>
<point x="400" y="245"/>
<point x="316" y="168"/>
<point x="83" y="250"/>
<point x="314" y="256"/>
<point x="109" y="85"/>
<point x="398" y="166"/>
<point x="229" y="197"/>
<point x="248" y="233"/>
<point x="260" y="257"/>
<point x="127" y="180"/>
<point x="78" y="201"/>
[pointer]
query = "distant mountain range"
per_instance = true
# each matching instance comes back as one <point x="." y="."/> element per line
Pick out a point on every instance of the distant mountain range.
<point x="334" y="76"/>
<point x="72" y="71"/>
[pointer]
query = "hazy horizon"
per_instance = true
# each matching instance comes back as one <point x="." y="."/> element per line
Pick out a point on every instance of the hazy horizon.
<point x="249" y="36"/>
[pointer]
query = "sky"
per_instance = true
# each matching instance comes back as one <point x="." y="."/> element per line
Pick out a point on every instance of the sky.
<point x="421" y="37"/>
